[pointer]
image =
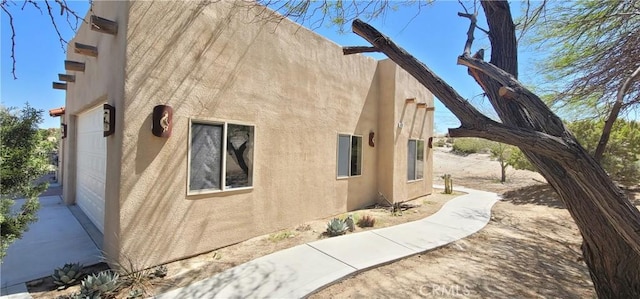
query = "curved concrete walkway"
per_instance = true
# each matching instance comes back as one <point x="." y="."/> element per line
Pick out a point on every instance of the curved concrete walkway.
<point x="298" y="271"/>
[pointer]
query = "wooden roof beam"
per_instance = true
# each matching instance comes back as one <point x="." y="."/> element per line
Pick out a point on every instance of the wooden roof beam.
<point x="86" y="50"/>
<point x="73" y="66"/>
<point x="58" y="85"/>
<point x="67" y="77"/>
<point x="103" y="25"/>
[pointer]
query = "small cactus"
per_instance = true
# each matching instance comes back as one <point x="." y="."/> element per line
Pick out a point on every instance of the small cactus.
<point x="67" y="275"/>
<point x="367" y="221"/>
<point x="448" y="184"/>
<point x="96" y="285"/>
<point x="336" y="227"/>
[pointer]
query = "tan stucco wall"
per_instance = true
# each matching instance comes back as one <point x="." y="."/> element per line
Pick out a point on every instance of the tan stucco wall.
<point x="211" y="63"/>
<point x="417" y="123"/>
<point x="101" y="82"/>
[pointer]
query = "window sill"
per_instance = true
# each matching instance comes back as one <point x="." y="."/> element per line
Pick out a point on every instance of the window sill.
<point x="415" y="181"/>
<point x="208" y="193"/>
<point x="348" y="177"/>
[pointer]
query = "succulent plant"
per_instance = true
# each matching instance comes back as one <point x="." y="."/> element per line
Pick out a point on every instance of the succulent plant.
<point x="366" y="221"/>
<point x="96" y="285"/>
<point x="135" y="293"/>
<point x="350" y="223"/>
<point x="336" y="227"/>
<point x="67" y="275"/>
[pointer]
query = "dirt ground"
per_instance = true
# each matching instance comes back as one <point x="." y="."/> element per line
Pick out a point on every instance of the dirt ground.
<point x="529" y="249"/>
<point x="187" y="271"/>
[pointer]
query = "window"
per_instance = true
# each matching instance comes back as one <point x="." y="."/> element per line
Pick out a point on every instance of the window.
<point x="220" y="152"/>
<point x="349" y="155"/>
<point x="415" y="160"/>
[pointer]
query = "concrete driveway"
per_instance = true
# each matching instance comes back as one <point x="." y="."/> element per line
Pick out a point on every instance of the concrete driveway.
<point x="57" y="238"/>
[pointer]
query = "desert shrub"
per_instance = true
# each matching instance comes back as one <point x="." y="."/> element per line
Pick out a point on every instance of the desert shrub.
<point x="439" y="142"/>
<point x="621" y="158"/>
<point x="517" y="160"/>
<point x="622" y="153"/>
<point x="367" y="221"/>
<point x="467" y="146"/>
<point x="279" y="236"/>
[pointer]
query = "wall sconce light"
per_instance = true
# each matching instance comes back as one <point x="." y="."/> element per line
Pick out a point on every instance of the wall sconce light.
<point x="109" y="120"/>
<point x="63" y="130"/>
<point x="372" y="139"/>
<point x="162" y="121"/>
<point x="430" y="142"/>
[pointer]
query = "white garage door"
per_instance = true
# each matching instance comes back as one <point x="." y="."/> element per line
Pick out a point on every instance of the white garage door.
<point x="91" y="167"/>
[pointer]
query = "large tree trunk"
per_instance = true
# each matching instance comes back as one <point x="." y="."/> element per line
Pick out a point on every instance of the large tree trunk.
<point x="607" y="220"/>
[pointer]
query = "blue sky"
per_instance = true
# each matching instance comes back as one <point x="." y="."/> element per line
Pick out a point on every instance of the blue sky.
<point x="436" y="36"/>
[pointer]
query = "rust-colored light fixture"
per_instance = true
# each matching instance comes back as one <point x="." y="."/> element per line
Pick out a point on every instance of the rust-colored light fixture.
<point x="109" y="120"/>
<point x="63" y="130"/>
<point x="372" y="139"/>
<point x="430" y="142"/>
<point x="162" y="121"/>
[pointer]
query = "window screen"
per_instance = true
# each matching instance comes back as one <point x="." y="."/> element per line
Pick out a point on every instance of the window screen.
<point x="344" y="150"/>
<point x="206" y="158"/>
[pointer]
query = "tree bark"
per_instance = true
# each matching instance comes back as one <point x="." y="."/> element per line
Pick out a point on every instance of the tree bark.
<point x="607" y="220"/>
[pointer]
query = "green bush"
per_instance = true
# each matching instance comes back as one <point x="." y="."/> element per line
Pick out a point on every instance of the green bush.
<point x="622" y="154"/>
<point x="23" y="159"/>
<point x="621" y="158"/>
<point x="467" y="146"/>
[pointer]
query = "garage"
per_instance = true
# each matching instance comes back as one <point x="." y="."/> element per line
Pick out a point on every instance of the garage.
<point x="91" y="165"/>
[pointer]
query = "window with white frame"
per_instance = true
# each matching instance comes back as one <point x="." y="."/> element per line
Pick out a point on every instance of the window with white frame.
<point x="349" y="155"/>
<point x="220" y="157"/>
<point x="415" y="160"/>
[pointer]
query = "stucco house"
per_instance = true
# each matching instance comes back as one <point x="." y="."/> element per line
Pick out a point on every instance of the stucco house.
<point x="191" y="126"/>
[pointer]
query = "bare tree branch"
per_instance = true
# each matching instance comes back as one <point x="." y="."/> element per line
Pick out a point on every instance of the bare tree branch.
<point x="472" y="18"/>
<point x="13" y="42"/>
<point x="63" y="42"/>
<point x="615" y="110"/>
<point x="71" y="15"/>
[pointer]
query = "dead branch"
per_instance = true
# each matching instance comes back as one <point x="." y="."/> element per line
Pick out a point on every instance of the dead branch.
<point x="474" y="123"/>
<point x="64" y="9"/>
<point x="535" y="107"/>
<point x="613" y="115"/>
<point x="13" y="42"/>
<point x="473" y="20"/>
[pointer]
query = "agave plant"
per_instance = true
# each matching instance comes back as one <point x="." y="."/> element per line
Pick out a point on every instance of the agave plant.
<point x="96" y="285"/>
<point x="350" y="223"/>
<point x="67" y="275"/>
<point x="336" y="227"/>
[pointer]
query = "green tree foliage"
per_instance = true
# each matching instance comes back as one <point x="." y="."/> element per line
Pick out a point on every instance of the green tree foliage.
<point x="24" y="158"/>
<point x="622" y="154"/>
<point x="595" y="49"/>
<point x="502" y="153"/>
